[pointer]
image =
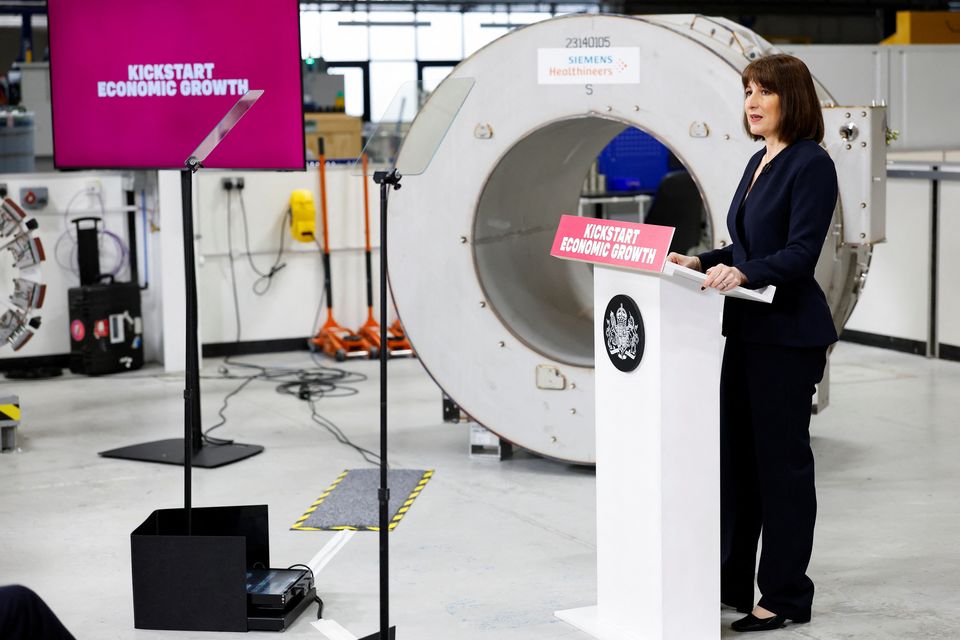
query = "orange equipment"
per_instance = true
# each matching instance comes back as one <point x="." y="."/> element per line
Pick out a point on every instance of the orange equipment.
<point x="336" y="341"/>
<point x="397" y="343"/>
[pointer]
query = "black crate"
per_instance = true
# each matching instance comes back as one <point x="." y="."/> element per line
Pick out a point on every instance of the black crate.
<point x="197" y="582"/>
<point x="106" y="328"/>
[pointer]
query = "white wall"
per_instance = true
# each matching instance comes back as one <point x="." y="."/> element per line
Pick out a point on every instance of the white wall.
<point x="71" y="189"/>
<point x="170" y="279"/>
<point x="289" y="308"/>
<point x="911" y="80"/>
<point x="948" y="299"/>
<point x="895" y="301"/>
<point x="897" y="298"/>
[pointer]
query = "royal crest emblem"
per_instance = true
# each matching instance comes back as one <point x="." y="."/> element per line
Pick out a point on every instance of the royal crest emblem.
<point x="623" y="333"/>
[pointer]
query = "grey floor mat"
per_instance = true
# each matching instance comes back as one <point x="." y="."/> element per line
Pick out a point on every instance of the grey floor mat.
<point x="350" y="503"/>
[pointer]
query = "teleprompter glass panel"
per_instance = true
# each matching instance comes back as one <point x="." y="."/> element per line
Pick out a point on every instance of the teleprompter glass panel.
<point x="410" y="112"/>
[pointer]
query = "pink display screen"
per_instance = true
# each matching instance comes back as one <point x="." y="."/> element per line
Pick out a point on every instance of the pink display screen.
<point x="141" y="84"/>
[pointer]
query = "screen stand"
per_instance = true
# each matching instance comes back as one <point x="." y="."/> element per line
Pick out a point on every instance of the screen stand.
<point x="190" y="451"/>
<point x="191" y="446"/>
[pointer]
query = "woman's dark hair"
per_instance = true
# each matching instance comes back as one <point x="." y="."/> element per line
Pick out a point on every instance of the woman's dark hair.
<point x="789" y="78"/>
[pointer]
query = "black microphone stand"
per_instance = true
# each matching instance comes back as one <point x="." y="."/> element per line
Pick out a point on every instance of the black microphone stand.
<point x="385" y="179"/>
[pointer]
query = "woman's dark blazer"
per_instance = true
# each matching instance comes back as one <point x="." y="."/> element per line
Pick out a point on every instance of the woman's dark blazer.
<point x="777" y="234"/>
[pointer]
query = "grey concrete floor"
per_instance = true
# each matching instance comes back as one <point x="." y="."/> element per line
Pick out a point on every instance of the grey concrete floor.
<point x="489" y="549"/>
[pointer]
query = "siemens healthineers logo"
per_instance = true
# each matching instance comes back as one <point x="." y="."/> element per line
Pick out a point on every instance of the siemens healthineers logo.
<point x="613" y="65"/>
<point x="172" y="79"/>
<point x="572" y="60"/>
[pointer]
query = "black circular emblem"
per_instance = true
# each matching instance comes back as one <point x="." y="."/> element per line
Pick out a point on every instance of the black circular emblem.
<point x="623" y="333"/>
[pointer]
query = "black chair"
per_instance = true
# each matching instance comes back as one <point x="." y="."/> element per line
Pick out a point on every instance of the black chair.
<point x="677" y="203"/>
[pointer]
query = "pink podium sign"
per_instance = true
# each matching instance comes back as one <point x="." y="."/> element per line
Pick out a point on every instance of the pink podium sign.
<point x="620" y="244"/>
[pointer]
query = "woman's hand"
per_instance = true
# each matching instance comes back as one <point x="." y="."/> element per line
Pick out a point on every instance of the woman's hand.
<point x="724" y="278"/>
<point x="690" y="262"/>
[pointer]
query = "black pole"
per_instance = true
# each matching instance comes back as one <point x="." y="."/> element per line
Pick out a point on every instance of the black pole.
<point x="327" y="280"/>
<point x="370" y="284"/>
<point x="327" y="285"/>
<point x="386" y="180"/>
<point x="191" y="395"/>
<point x="132" y="235"/>
<point x="933" y="340"/>
<point x="26" y="36"/>
<point x="384" y="494"/>
<point x="88" y="250"/>
<point x="366" y="238"/>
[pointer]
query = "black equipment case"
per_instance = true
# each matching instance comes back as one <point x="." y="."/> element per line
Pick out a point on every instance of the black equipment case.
<point x="106" y="329"/>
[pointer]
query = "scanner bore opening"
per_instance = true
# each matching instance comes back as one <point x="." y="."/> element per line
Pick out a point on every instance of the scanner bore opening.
<point x="547" y="303"/>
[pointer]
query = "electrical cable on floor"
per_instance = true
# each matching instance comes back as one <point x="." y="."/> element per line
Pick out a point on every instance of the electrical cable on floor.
<point x="316" y="597"/>
<point x="307" y="384"/>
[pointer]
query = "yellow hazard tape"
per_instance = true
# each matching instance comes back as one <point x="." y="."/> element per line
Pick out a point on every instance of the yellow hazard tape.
<point x="323" y="496"/>
<point x="409" y="501"/>
<point x="9" y="412"/>
<point x="298" y="525"/>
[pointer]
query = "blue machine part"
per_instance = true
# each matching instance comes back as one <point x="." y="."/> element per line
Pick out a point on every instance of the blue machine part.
<point x="633" y="161"/>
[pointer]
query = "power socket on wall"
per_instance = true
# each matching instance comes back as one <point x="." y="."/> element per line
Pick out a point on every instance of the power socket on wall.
<point x="229" y="184"/>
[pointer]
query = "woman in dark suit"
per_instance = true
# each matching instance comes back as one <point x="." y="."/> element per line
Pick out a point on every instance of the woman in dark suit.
<point x="775" y="353"/>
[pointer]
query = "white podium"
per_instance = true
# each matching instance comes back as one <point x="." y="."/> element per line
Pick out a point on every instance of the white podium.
<point x="658" y="461"/>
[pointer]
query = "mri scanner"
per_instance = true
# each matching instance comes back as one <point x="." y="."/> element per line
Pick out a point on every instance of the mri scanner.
<point x="500" y="151"/>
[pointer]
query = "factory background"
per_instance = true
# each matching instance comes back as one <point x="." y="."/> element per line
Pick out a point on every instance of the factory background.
<point x="503" y="534"/>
